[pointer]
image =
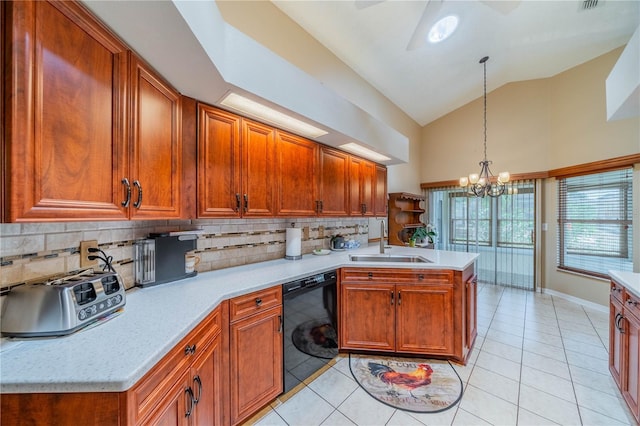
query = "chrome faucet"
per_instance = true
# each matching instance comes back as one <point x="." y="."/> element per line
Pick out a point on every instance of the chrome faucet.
<point x="382" y="229"/>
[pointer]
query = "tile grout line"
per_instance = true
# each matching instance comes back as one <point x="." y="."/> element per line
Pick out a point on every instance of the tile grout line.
<point x="564" y="350"/>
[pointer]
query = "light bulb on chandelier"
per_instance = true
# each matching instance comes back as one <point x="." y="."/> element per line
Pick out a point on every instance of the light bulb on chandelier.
<point x="485" y="183"/>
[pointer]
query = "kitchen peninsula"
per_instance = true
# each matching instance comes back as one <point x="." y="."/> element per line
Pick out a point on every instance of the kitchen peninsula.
<point x="113" y="357"/>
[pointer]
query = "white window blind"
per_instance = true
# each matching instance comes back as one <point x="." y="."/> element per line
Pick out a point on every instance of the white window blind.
<point x="501" y="230"/>
<point x="595" y="222"/>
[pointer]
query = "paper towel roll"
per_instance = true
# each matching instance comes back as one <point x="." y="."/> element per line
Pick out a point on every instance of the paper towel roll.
<point x="294" y="243"/>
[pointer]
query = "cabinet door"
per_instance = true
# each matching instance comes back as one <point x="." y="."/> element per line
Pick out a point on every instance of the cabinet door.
<point x="368" y="187"/>
<point x="616" y="345"/>
<point x="66" y="150"/>
<point x="425" y="319"/>
<point x="258" y="173"/>
<point x="333" y="184"/>
<point x="206" y="383"/>
<point x="471" y="315"/>
<point x="355" y="186"/>
<point x="367" y="319"/>
<point x="256" y="362"/>
<point x="218" y="163"/>
<point x="380" y="201"/>
<point x="176" y="407"/>
<point x="156" y="148"/>
<point x="631" y="365"/>
<point x="296" y="175"/>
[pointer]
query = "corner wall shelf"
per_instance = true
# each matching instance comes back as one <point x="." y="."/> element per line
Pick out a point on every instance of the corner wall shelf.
<point x="405" y="211"/>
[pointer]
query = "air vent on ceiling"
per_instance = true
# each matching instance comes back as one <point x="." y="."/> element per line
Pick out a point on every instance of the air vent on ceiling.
<point x="588" y="4"/>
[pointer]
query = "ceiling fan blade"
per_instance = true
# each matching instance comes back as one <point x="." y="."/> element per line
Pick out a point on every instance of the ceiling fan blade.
<point x="428" y="18"/>
<point x="505" y="7"/>
<point x="363" y="4"/>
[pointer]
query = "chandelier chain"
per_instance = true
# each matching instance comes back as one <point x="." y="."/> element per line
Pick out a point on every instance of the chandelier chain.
<point x="485" y="108"/>
<point x="485" y="183"/>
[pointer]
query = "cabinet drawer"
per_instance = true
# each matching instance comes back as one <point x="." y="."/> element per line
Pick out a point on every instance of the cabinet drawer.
<point x="632" y="304"/>
<point x="397" y="276"/>
<point x="152" y="388"/>
<point x="249" y="304"/>
<point x="617" y="291"/>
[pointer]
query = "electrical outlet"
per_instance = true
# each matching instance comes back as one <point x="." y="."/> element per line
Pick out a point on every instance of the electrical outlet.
<point x="305" y="233"/>
<point x="84" y="253"/>
<point x="321" y="232"/>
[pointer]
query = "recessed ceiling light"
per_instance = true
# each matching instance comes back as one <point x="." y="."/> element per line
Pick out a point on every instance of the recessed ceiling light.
<point x="270" y="115"/>
<point x="442" y="29"/>
<point x="364" y="152"/>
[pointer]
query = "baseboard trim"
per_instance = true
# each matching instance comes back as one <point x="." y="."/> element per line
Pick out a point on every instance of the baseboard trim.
<point x="586" y="303"/>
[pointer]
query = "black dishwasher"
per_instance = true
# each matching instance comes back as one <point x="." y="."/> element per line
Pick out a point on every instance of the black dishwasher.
<point x="310" y="326"/>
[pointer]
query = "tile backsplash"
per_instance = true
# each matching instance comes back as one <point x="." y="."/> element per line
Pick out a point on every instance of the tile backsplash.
<point x="36" y="251"/>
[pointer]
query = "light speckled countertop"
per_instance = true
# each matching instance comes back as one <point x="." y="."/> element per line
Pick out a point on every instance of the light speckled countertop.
<point x="631" y="280"/>
<point x="114" y="355"/>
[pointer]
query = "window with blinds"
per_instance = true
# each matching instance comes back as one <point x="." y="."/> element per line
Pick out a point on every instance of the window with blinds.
<point x="595" y="222"/>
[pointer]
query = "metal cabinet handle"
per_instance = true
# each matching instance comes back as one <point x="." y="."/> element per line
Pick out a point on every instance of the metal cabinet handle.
<point x="246" y="203"/>
<point x="420" y="277"/>
<point x="126" y="183"/>
<point x="237" y="202"/>
<point x="399" y="298"/>
<point x="190" y="349"/>
<point x="370" y="275"/>
<point x="392" y="296"/>
<point x="632" y="302"/>
<point x="617" y="323"/>
<point x="197" y="380"/>
<point x="281" y="324"/>
<point x="318" y="206"/>
<point x="190" y="401"/>
<point x="258" y="301"/>
<point x="138" y="203"/>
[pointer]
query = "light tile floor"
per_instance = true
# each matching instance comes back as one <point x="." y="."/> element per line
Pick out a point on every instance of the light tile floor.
<point x="538" y="360"/>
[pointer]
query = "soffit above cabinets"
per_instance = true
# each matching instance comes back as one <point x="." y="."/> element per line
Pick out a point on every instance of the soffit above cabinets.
<point x="205" y="58"/>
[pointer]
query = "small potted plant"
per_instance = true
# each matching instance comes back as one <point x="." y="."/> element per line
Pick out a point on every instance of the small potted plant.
<point x="420" y="235"/>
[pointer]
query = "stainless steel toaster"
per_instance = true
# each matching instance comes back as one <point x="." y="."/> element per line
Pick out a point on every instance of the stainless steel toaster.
<point x="62" y="306"/>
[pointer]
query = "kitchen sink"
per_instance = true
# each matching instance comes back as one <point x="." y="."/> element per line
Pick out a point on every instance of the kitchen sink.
<point x="388" y="258"/>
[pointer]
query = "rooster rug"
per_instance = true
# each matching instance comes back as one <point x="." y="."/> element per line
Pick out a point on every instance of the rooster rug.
<point x="418" y="385"/>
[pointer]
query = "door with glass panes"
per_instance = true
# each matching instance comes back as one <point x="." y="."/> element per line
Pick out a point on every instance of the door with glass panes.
<point x="501" y="230"/>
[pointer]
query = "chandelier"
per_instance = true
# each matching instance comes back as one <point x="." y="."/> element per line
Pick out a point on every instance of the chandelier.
<point x="485" y="183"/>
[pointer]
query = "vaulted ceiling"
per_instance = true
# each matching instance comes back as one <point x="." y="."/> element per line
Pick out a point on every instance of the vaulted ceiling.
<point x="525" y="40"/>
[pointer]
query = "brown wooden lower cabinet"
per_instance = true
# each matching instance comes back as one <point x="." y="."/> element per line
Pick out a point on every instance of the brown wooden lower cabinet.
<point x="184" y="388"/>
<point x="195" y="398"/>
<point x="230" y="365"/>
<point x="185" y="385"/>
<point x="624" y="345"/>
<point x="426" y="312"/>
<point x="471" y="312"/>
<point x="62" y="409"/>
<point x="255" y="352"/>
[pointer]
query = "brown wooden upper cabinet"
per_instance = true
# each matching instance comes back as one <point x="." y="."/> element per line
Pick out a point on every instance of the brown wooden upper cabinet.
<point x="362" y="187"/>
<point x="333" y="183"/>
<point x="236" y="175"/>
<point x="66" y="148"/>
<point x="381" y="198"/>
<point x="296" y="175"/>
<point x="77" y="146"/>
<point x="155" y="168"/>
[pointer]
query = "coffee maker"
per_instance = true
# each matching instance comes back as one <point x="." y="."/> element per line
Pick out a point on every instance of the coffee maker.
<point x="161" y="258"/>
